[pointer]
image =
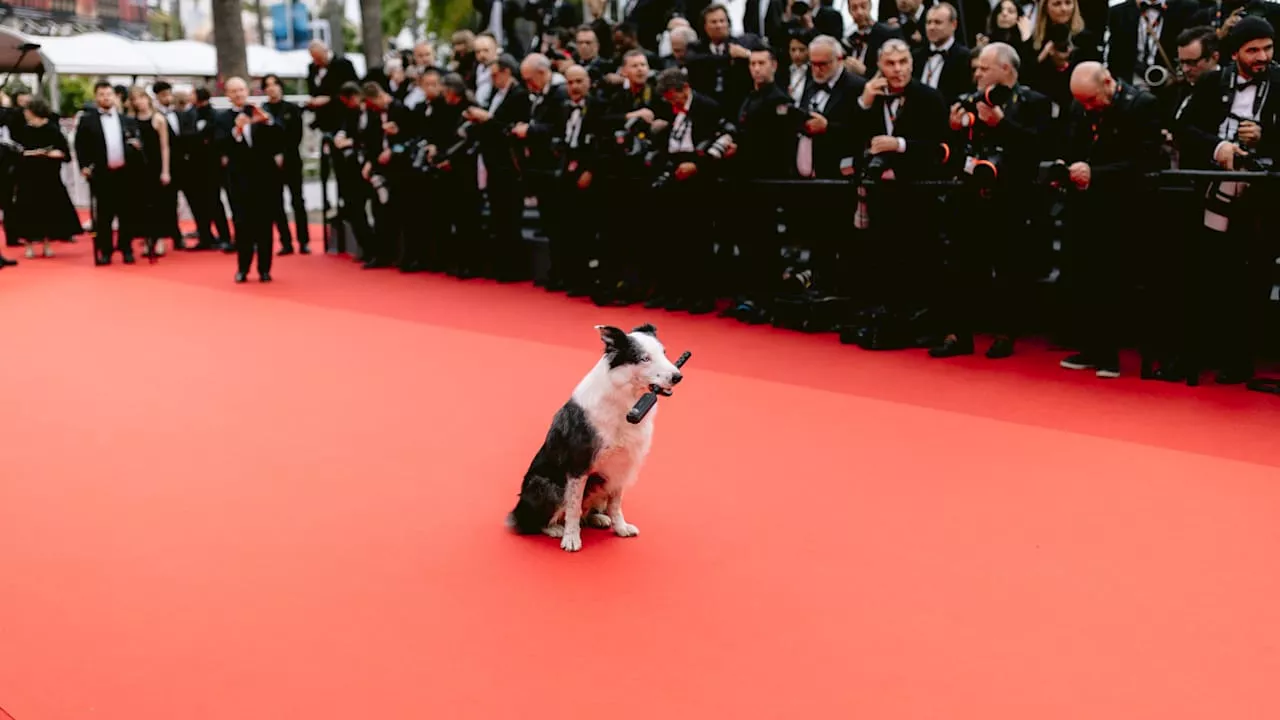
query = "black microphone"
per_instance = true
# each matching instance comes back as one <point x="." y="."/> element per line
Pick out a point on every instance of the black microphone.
<point x="649" y="399"/>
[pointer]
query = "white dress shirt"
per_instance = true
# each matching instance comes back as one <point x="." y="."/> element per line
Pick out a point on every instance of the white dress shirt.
<point x="113" y="133"/>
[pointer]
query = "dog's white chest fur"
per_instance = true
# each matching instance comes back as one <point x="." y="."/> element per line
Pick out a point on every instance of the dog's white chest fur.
<point x="622" y="446"/>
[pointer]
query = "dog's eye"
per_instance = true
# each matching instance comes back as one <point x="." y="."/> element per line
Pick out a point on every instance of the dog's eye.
<point x="645" y="359"/>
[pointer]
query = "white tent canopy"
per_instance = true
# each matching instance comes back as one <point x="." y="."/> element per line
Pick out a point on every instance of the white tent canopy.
<point x="105" y="54"/>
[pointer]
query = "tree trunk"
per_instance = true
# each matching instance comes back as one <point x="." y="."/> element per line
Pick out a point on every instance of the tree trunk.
<point x="228" y="40"/>
<point x="371" y="32"/>
<point x="262" y="25"/>
<point x="333" y="12"/>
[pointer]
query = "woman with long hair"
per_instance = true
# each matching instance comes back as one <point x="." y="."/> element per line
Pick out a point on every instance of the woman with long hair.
<point x="153" y="175"/>
<point x="42" y="210"/>
<point x="1059" y="42"/>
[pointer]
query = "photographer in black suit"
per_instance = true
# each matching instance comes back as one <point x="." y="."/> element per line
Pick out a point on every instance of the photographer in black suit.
<point x="498" y="169"/>
<point x="904" y="124"/>
<point x="249" y="140"/>
<point x="1232" y="122"/>
<point x="534" y="135"/>
<point x="289" y="117"/>
<point x="106" y="143"/>
<point x="574" y="142"/>
<point x="388" y="125"/>
<point x="1003" y="126"/>
<point x="1114" y="139"/>
<point x="690" y="136"/>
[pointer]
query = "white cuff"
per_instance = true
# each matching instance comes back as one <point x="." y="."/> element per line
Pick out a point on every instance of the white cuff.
<point x="902" y="145"/>
<point x="864" y="107"/>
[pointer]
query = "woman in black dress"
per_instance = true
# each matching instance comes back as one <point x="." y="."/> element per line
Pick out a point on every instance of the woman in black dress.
<point x="153" y="175"/>
<point x="42" y="210"/>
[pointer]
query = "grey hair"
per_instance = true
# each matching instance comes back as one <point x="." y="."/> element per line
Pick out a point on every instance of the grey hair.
<point x="689" y="34"/>
<point x="830" y="43"/>
<point x="537" y="61"/>
<point x="893" y="45"/>
<point x="1005" y="53"/>
<point x="951" y="11"/>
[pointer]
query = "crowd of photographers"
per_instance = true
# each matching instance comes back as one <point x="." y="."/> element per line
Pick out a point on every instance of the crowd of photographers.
<point x="887" y="181"/>
<point x="865" y="173"/>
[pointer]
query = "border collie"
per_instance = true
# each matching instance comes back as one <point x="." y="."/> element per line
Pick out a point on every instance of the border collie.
<point x="592" y="455"/>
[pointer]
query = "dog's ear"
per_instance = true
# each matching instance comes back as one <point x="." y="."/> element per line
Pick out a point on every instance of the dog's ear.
<point x="647" y="329"/>
<point x="614" y="339"/>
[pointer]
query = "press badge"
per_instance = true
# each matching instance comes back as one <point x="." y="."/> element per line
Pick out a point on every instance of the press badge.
<point x="846" y="166"/>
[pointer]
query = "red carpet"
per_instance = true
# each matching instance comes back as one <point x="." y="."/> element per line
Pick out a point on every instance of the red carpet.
<point x="286" y="501"/>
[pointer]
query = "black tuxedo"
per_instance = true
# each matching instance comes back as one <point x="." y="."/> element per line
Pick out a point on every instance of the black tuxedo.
<point x="1123" y="27"/>
<point x="902" y="255"/>
<point x="908" y="26"/>
<point x="327" y="82"/>
<point x="922" y="120"/>
<point x="110" y="187"/>
<point x="955" y="78"/>
<point x="1018" y="138"/>
<point x="252" y="184"/>
<point x="767" y="125"/>
<point x="512" y="10"/>
<point x="1227" y="257"/>
<point x="504" y="161"/>
<point x="865" y="44"/>
<point x="1119" y="144"/>
<point x="774" y="29"/>
<point x="841" y="142"/>
<point x="720" y="77"/>
<point x="1209" y="106"/>
<point x="289" y="117"/>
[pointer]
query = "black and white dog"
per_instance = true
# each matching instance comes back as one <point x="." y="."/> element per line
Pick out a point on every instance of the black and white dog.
<point x="592" y="455"/>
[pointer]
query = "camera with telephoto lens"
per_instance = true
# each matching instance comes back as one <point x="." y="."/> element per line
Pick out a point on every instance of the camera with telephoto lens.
<point x="994" y="96"/>
<point x="1053" y="173"/>
<point x="631" y="137"/>
<point x="714" y="147"/>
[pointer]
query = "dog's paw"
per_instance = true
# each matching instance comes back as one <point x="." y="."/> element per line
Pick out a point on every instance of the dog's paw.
<point x="554" y="531"/>
<point x="571" y="543"/>
<point x="626" y="530"/>
<point x="600" y="521"/>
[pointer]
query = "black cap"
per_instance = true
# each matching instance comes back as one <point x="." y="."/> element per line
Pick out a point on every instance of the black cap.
<point x="1248" y="29"/>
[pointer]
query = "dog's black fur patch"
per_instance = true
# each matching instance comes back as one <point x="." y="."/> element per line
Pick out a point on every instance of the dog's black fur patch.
<point x="647" y="329"/>
<point x="620" y="348"/>
<point x="568" y="451"/>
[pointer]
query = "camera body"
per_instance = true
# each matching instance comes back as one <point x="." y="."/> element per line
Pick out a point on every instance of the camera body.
<point x="1053" y="174"/>
<point x="994" y="96"/>
<point x="1252" y="162"/>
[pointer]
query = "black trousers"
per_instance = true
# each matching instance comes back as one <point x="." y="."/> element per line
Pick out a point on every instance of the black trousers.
<point x="897" y="258"/>
<point x="111" y="190"/>
<point x="506" y="255"/>
<point x="1099" y="252"/>
<point x="253" y="235"/>
<point x="1226" y="283"/>
<point x="681" y="258"/>
<point x="989" y="273"/>
<point x="291" y="178"/>
<point x="353" y="198"/>
<point x="387" y="221"/>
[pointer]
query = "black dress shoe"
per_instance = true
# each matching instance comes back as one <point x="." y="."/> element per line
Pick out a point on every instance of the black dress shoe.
<point x="264" y="277"/>
<point x="657" y="302"/>
<point x="305" y="250"/>
<point x="701" y="307"/>
<point x="286" y="250"/>
<point x="129" y="259"/>
<point x="4" y="261"/>
<point x="1000" y="349"/>
<point x="241" y="277"/>
<point x="952" y="347"/>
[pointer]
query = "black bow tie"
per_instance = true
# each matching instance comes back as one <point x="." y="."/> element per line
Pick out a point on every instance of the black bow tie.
<point x="1158" y="7"/>
<point x="936" y="51"/>
<point x="1242" y="83"/>
<point x="825" y="87"/>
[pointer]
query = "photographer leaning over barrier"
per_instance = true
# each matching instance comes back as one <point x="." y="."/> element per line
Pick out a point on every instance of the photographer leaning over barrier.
<point x="1230" y="123"/>
<point x="346" y="157"/>
<point x="1002" y="128"/>
<point x="1114" y="139"/>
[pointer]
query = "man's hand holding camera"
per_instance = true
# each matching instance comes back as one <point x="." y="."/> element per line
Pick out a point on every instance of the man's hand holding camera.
<point x="991" y="115"/>
<point x="884" y="144"/>
<point x="521" y="130"/>
<point x="815" y="125"/>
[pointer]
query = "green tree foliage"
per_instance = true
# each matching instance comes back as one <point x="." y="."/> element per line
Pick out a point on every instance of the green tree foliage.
<point x="446" y="16"/>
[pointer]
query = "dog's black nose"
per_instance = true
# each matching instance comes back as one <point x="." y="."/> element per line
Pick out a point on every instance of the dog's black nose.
<point x="675" y="379"/>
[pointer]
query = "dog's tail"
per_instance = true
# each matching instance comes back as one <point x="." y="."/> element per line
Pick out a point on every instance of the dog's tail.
<point x="539" y="500"/>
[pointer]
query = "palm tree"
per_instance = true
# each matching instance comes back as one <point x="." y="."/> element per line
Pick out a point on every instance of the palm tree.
<point x="228" y="39"/>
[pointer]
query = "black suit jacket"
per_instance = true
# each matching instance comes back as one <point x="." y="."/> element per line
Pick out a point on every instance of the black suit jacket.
<point x="592" y="134"/>
<point x="708" y="124"/>
<point x="1019" y="138"/>
<point x="289" y="117"/>
<point x="956" y="76"/>
<point x="871" y="40"/>
<point x="923" y="121"/>
<point x="720" y="77"/>
<point x="1209" y="106"/>
<point x="842" y="140"/>
<point x="1121" y="46"/>
<point x="1128" y="140"/>
<point x="252" y="175"/>
<point x="767" y="126"/>
<point x="497" y="147"/>
<point x="336" y="74"/>
<point x="91" y="144"/>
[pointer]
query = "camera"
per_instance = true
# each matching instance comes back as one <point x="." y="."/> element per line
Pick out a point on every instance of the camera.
<point x="1251" y="162"/>
<point x="715" y="147"/>
<point x="630" y="137"/>
<point x="1053" y="173"/>
<point x="995" y="96"/>
<point x="987" y="169"/>
<point x="1059" y="34"/>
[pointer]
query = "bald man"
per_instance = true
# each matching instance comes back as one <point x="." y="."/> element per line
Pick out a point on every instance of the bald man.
<point x="575" y="220"/>
<point x="1114" y="138"/>
<point x="250" y="143"/>
<point x="324" y="76"/>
